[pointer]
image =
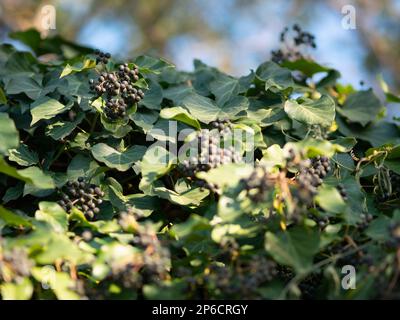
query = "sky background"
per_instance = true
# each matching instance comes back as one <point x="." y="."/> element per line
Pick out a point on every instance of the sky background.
<point x="233" y="35"/>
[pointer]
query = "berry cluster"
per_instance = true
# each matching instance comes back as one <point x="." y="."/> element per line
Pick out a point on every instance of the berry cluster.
<point x="322" y="221"/>
<point x="244" y="280"/>
<point x="258" y="184"/>
<point x="366" y="218"/>
<point x="156" y="257"/>
<point x="82" y="195"/>
<point x="293" y="44"/>
<point x="102" y="57"/>
<point x="310" y="178"/>
<point x="223" y="126"/>
<point x="118" y="90"/>
<point x="209" y="152"/>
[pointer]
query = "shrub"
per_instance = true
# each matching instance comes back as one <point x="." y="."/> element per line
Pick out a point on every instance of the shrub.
<point x="131" y="179"/>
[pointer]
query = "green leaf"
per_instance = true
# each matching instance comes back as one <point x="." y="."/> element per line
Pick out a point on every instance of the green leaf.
<point x="224" y="88"/>
<point x="81" y="166"/>
<point x="329" y="199"/>
<point x="54" y="215"/>
<point x="78" y="67"/>
<point x="378" y="229"/>
<point x="375" y="133"/>
<point x="273" y="156"/>
<point x="61" y="129"/>
<point x="22" y="290"/>
<point x="23" y="156"/>
<point x="12" y="219"/>
<point x="156" y="162"/>
<point x="9" y="137"/>
<point x="121" y="161"/>
<point x="149" y="64"/>
<point x="307" y="67"/>
<point x="145" y="118"/>
<point x="205" y="110"/>
<point x="226" y="175"/>
<point x="31" y="175"/>
<point x="314" y="147"/>
<point x="14" y="192"/>
<point x="311" y="112"/>
<point x="361" y="107"/>
<point x="294" y="248"/>
<point x="275" y="77"/>
<point x="59" y="282"/>
<point x="180" y="114"/>
<point x="153" y="96"/>
<point x="22" y="84"/>
<point x="46" y="108"/>
<point x="189" y="197"/>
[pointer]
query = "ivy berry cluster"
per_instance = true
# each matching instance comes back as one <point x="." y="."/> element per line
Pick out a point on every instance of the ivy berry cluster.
<point x="245" y="279"/>
<point x="258" y="184"/>
<point x="82" y="195"/>
<point x="292" y="44"/>
<point x="156" y="257"/>
<point x="118" y="90"/>
<point x="210" y="154"/>
<point x="102" y="57"/>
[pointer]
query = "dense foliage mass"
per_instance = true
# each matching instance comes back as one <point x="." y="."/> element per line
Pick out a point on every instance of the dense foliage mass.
<point x="287" y="175"/>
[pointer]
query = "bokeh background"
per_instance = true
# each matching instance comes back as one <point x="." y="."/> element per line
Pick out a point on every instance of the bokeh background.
<point x="233" y="35"/>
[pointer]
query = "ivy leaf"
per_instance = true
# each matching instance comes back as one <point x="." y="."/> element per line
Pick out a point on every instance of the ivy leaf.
<point x="206" y="111"/>
<point x="145" y="118"/>
<point x="59" y="282"/>
<point x="329" y="199"/>
<point x="224" y="88"/>
<point x="78" y="67"/>
<point x="226" y="175"/>
<point x="121" y="161"/>
<point x="46" y="108"/>
<point x="54" y="215"/>
<point x="180" y="114"/>
<point x="311" y="112"/>
<point x="361" y="107"/>
<point x="314" y="147"/>
<point x="294" y="248"/>
<point x="31" y="175"/>
<point x="22" y="84"/>
<point x="307" y="67"/>
<point x="274" y="76"/>
<point x="61" y="129"/>
<point x="9" y="137"/>
<point x="378" y="229"/>
<point x="149" y="64"/>
<point x="23" y="156"/>
<point x="81" y="166"/>
<point x="22" y="290"/>
<point x="14" y="192"/>
<point x="377" y="134"/>
<point x="153" y="96"/>
<point x="12" y="219"/>
<point x="156" y="162"/>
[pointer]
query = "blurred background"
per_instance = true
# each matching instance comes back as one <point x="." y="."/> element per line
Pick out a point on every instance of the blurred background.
<point x="233" y="35"/>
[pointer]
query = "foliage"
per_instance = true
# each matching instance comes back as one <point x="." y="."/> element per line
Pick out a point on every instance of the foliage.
<point x="102" y="207"/>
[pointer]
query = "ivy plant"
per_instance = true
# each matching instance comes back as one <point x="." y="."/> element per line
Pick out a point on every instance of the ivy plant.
<point x="134" y="180"/>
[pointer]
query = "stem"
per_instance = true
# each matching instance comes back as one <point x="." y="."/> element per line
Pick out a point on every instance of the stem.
<point x="93" y="124"/>
<point x="315" y="267"/>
